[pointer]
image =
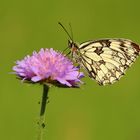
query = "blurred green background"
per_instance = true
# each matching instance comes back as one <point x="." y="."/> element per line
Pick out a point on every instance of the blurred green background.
<point x="89" y="113"/>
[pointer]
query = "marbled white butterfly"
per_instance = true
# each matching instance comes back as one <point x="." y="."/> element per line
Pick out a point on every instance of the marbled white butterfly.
<point x="105" y="60"/>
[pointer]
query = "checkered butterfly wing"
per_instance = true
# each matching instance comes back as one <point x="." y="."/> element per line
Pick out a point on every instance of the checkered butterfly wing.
<point x="107" y="60"/>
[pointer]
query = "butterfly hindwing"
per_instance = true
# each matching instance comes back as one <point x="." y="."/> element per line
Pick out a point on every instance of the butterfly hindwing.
<point x="107" y="60"/>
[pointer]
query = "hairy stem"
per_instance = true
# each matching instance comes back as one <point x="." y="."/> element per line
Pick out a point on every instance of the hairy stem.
<point x="42" y="111"/>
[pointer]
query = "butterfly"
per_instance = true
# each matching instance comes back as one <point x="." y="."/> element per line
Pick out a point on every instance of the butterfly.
<point x="105" y="60"/>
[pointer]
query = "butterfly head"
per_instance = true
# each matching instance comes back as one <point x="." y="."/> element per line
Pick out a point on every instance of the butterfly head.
<point x="73" y="47"/>
<point x="71" y="44"/>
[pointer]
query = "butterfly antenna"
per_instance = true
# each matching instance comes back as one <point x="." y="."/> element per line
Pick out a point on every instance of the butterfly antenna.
<point x="71" y="31"/>
<point x="65" y="30"/>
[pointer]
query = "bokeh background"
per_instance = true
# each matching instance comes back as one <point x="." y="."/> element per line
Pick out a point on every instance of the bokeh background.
<point x="89" y="113"/>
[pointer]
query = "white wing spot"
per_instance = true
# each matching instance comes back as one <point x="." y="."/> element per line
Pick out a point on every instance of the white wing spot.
<point x="123" y="61"/>
<point x="94" y="56"/>
<point x="104" y="68"/>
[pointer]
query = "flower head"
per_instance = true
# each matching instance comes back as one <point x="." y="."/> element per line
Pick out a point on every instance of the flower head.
<point x="48" y="66"/>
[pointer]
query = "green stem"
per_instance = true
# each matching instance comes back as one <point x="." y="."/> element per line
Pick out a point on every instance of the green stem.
<point x="42" y="111"/>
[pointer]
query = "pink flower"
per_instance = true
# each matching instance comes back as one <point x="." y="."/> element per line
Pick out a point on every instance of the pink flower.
<point x="48" y="66"/>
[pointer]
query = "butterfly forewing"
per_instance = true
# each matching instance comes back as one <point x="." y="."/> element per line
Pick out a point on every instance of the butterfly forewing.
<point x="106" y="60"/>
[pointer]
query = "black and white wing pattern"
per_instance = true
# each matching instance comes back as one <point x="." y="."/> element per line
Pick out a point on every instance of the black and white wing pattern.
<point x="106" y="60"/>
